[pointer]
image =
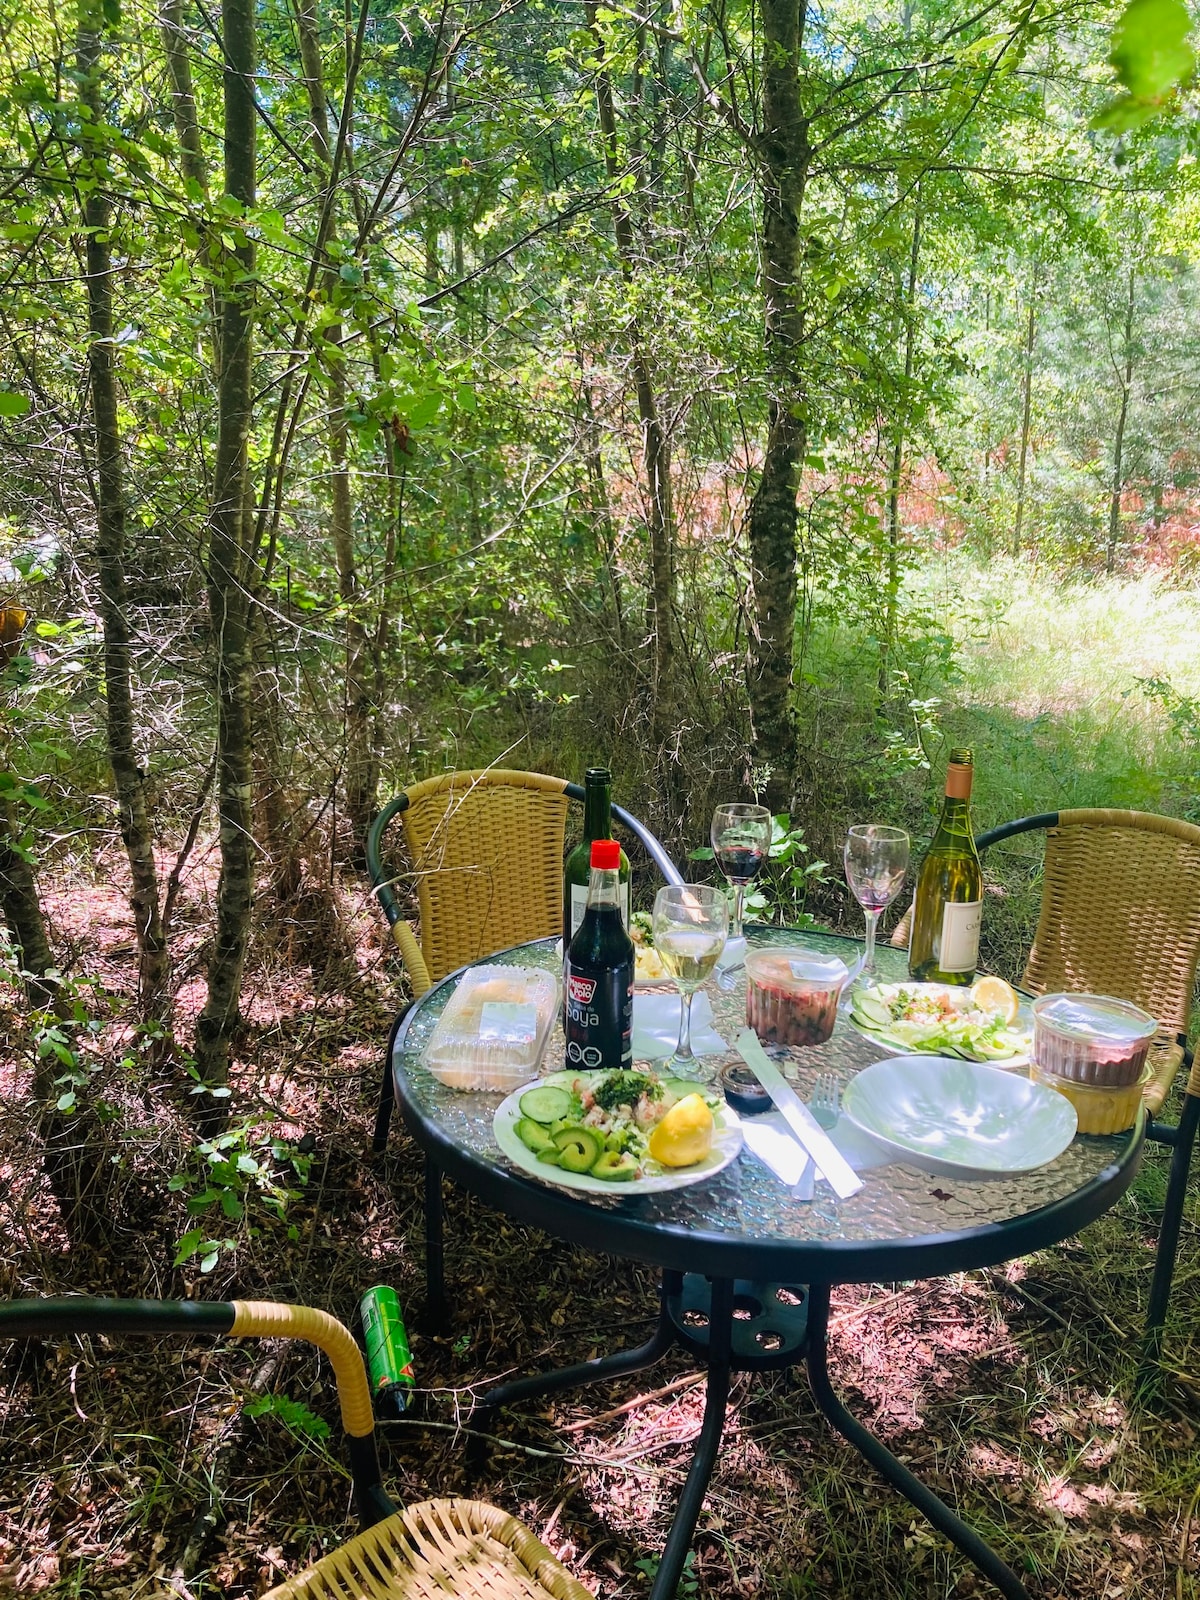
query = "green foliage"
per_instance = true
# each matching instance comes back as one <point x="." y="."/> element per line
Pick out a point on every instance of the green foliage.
<point x="294" y="1415"/>
<point x="1151" y="57"/>
<point x="248" y="1177"/>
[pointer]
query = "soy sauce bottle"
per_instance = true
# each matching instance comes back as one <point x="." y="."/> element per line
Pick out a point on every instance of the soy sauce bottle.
<point x="598" y="972"/>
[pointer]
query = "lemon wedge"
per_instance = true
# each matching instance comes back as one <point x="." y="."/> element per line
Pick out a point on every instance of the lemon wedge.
<point x="996" y="997"/>
<point x="684" y="1136"/>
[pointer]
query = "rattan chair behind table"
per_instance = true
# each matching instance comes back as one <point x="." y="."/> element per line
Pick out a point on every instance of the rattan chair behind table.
<point x="485" y="852"/>
<point x="1120" y="915"/>
<point x="451" y="1549"/>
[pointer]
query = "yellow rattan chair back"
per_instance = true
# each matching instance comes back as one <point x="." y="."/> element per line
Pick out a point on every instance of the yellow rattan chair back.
<point x="435" y="1551"/>
<point x="1121" y="911"/>
<point x="485" y="850"/>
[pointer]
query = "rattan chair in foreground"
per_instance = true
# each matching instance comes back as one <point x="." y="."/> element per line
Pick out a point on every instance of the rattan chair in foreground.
<point x="437" y="1550"/>
<point x="1120" y="915"/>
<point x="485" y="850"/>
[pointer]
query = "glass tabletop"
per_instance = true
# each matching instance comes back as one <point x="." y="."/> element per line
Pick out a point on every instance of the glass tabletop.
<point x="903" y="1222"/>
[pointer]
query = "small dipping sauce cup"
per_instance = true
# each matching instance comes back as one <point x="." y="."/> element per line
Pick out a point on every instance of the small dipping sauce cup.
<point x="792" y="995"/>
<point x="1091" y="1039"/>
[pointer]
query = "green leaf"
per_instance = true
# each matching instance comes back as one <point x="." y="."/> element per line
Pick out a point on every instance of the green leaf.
<point x="13" y="405"/>
<point x="188" y="1246"/>
<point x="65" y="1102"/>
<point x="1149" y="50"/>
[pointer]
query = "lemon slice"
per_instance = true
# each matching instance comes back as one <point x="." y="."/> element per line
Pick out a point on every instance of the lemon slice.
<point x="996" y="997"/>
<point x="684" y="1136"/>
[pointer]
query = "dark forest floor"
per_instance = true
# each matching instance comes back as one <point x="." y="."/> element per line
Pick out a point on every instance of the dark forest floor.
<point x="1013" y="1393"/>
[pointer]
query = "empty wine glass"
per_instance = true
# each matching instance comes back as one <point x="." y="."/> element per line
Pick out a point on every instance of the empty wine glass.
<point x="876" y="860"/>
<point x="690" y="922"/>
<point x="741" y="837"/>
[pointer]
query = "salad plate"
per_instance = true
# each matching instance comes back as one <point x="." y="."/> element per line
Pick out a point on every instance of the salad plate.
<point x="653" y="1178"/>
<point x="959" y="1118"/>
<point x="939" y="1019"/>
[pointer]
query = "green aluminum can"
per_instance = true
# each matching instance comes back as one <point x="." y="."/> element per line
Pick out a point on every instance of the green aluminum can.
<point x="389" y="1360"/>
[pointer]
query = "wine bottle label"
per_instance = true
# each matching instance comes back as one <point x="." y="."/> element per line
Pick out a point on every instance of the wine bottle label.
<point x="959" y="947"/>
<point x="579" y="894"/>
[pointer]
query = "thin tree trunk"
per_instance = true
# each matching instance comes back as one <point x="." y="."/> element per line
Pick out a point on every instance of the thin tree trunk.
<point x="136" y="829"/>
<point x="656" y="446"/>
<point x="22" y="911"/>
<point x="1118" y="470"/>
<point x="183" y="97"/>
<point x="771" y="523"/>
<point x="361" y="781"/>
<point x="227" y="560"/>
<point x="897" y="464"/>
<point x="1026" y="412"/>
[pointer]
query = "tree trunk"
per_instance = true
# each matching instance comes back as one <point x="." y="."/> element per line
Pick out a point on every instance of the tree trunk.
<point x="22" y="911"/>
<point x="899" y="439"/>
<point x="656" y="445"/>
<point x="136" y="829"/>
<point x="1118" y="468"/>
<point x="228" y="581"/>
<point x="183" y="98"/>
<point x="771" y="523"/>
<point x="1026" y="412"/>
<point x="361" y="782"/>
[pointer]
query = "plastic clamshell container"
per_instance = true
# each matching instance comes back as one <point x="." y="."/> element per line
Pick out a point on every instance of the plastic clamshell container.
<point x="1100" y="1110"/>
<point x="792" y="995"/>
<point x="493" y="1032"/>
<point x="1092" y="1038"/>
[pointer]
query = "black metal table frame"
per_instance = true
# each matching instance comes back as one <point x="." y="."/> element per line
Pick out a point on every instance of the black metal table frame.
<point x="726" y="1272"/>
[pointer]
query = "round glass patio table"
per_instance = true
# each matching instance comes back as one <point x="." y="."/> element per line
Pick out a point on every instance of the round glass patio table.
<point x="747" y="1266"/>
<point x="743" y="1222"/>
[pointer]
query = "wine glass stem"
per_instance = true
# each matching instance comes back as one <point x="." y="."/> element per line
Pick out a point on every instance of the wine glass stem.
<point x="735" y="921"/>
<point x="683" y="1050"/>
<point x="868" y="971"/>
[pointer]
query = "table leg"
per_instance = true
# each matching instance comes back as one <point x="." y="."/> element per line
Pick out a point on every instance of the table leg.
<point x="435" y="1264"/>
<point x="617" y="1365"/>
<point x="716" y="1395"/>
<point x="936" y="1511"/>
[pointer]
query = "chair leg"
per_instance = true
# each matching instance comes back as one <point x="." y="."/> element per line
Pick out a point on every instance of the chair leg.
<point x="387" y="1094"/>
<point x="1168" y="1237"/>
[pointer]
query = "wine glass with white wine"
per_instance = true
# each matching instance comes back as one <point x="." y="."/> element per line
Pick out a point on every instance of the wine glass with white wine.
<point x="690" y="923"/>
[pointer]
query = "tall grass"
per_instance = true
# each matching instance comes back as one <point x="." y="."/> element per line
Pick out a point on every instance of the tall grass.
<point x="1051" y="694"/>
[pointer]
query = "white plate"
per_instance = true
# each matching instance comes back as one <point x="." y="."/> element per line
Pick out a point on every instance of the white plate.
<point x="727" y="1142"/>
<point x="900" y="1047"/>
<point x="959" y="1117"/>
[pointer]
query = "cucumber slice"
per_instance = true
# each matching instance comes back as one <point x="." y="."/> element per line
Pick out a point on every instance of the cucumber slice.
<point x="870" y="1012"/>
<point x="545" y="1103"/>
<point x="578" y="1148"/>
<point x="533" y="1136"/>
<point x="615" y="1168"/>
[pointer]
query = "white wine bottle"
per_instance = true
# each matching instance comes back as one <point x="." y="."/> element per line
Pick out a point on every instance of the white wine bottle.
<point x="943" y="945"/>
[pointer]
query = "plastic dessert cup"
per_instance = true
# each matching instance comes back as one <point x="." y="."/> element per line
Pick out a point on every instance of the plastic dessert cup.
<point x="792" y="995"/>
<point x="1100" y="1110"/>
<point x="1092" y="1039"/>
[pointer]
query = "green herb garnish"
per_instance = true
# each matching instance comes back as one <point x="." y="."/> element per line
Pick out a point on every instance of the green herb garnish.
<point x="626" y="1089"/>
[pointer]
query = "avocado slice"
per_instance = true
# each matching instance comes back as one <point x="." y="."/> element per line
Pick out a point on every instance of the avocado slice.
<point x="615" y="1167"/>
<point x="551" y="1156"/>
<point x="578" y="1148"/>
<point x="533" y="1136"/>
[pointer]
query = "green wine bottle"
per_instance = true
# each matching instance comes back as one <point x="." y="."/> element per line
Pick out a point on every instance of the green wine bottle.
<point x="577" y="869"/>
<point x="943" y="944"/>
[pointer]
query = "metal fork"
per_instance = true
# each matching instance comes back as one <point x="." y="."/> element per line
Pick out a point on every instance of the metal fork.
<point x="825" y="1101"/>
<point x="824" y="1104"/>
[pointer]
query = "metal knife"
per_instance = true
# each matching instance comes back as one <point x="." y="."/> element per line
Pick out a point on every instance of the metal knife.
<point x="828" y="1159"/>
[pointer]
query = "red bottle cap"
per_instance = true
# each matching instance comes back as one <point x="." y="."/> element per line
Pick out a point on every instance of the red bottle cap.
<point x="606" y="854"/>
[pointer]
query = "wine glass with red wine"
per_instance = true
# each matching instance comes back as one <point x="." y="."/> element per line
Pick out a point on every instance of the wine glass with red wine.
<point x="876" y="860"/>
<point x="741" y="837"/>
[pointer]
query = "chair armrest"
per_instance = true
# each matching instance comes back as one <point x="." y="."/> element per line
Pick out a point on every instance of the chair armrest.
<point x="412" y="956"/>
<point x="653" y="847"/>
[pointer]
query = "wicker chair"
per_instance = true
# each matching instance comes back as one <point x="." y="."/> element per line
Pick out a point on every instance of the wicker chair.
<point x="1120" y="915"/>
<point x="432" y="1551"/>
<point x="486" y="851"/>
